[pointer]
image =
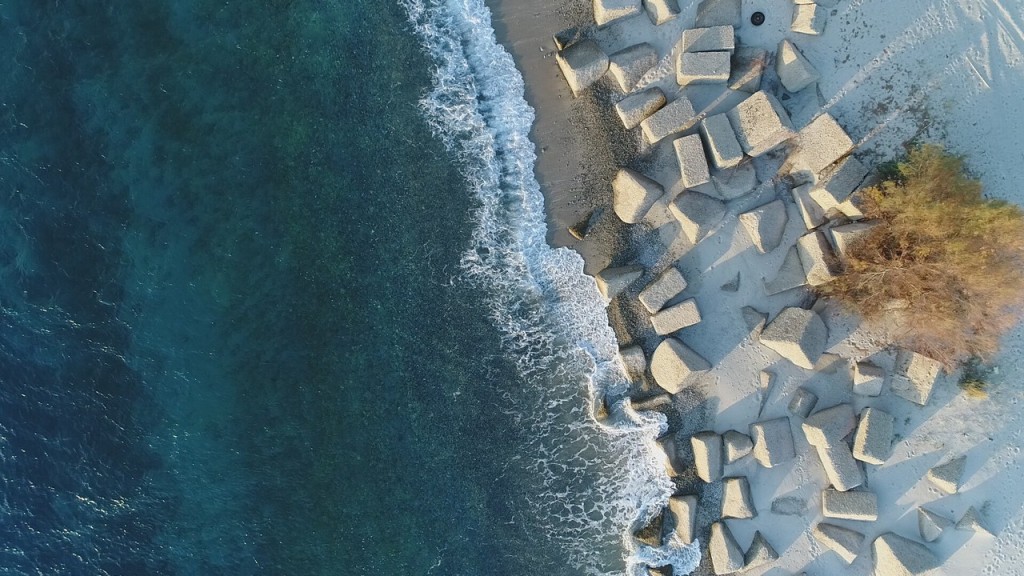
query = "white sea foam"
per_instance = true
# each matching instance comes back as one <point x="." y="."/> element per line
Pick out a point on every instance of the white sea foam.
<point x="553" y="319"/>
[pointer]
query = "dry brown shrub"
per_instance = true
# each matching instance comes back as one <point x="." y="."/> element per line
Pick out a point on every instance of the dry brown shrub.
<point x="952" y="258"/>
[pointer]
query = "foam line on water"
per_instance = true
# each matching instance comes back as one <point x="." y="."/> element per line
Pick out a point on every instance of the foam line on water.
<point x="552" y="318"/>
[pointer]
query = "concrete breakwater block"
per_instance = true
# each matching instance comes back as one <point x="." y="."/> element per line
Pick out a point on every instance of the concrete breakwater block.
<point x="629" y="65"/>
<point x="810" y="211"/>
<point x="808" y="19"/>
<point x="608" y="11"/>
<point x="846" y="235"/>
<point x="794" y="70"/>
<point x="675" y="117"/>
<point x="612" y="281"/>
<point x="707" y="454"/>
<point x="790" y="274"/>
<point x="873" y="441"/>
<point x="726" y="556"/>
<point x="948" y="477"/>
<point x="684" y="514"/>
<point x="718" y="13"/>
<point x="665" y="287"/>
<point x="931" y="525"/>
<point x="710" y="39"/>
<point x="633" y="194"/>
<point x="898" y="556"/>
<point x="760" y="553"/>
<point x="697" y="214"/>
<point x="797" y="335"/>
<point x="915" y="376"/>
<point x="766" y="225"/>
<point x="736" y="500"/>
<point x="637" y="107"/>
<point x="867" y="379"/>
<point x="732" y="183"/>
<point x="633" y="362"/>
<point x="661" y="11"/>
<point x="802" y="402"/>
<point x="675" y="318"/>
<point x="837" y="182"/>
<point x="703" y="68"/>
<point x="852" y="505"/>
<point x="582" y="64"/>
<point x="820" y="265"/>
<point x="748" y="65"/>
<point x="761" y="123"/>
<point x="674" y="365"/>
<point x="843" y="541"/>
<point x="737" y="445"/>
<point x="693" y="165"/>
<point x="773" y="442"/>
<point x="723" y="147"/>
<point x="820" y="144"/>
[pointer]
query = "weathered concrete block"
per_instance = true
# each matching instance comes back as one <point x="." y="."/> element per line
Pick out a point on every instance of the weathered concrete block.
<point x="732" y="183"/>
<point x="766" y="225"/>
<point x="675" y="117"/>
<point x="873" y="441"/>
<point x="676" y="317"/>
<point x="633" y="361"/>
<point x="707" y="454"/>
<point x="971" y="522"/>
<point x="582" y="64"/>
<point x="829" y="425"/>
<point x="819" y="144"/>
<point x="636" y="108"/>
<point x="761" y="123"/>
<point x="759" y="554"/>
<point x="702" y="68"/>
<point x="795" y="71"/>
<point x="633" y="194"/>
<point x="790" y="275"/>
<point x="808" y="19"/>
<point x="802" y="403"/>
<point x="629" y="65"/>
<point x="949" y="476"/>
<point x="736" y="500"/>
<point x="565" y="38"/>
<point x="812" y="214"/>
<point x="773" y="442"/>
<point x="674" y="365"/>
<point x="669" y="456"/>
<point x="661" y="11"/>
<point x="915" y="376"/>
<point x="718" y="13"/>
<point x="899" y="556"/>
<point x="843" y="541"/>
<point x="820" y="264"/>
<point x="737" y="445"/>
<point x="684" y="513"/>
<point x="608" y="11"/>
<point x="846" y="235"/>
<point x="867" y="379"/>
<point x="665" y="287"/>
<point x="842" y="470"/>
<point x="723" y="147"/>
<point x="710" y="39"/>
<point x="797" y="335"/>
<point x="837" y="182"/>
<point x="853" y="505"/>
<point x="748" y="65"/>
<point x="653" y="403"/>
<point x="651" y="534"/>
<point x="726" y="556"/>
<point x="612" y="281"/>
<point x="931" y="525"/>
<point x="693" y="165"/>
<point x="697" y="214"/>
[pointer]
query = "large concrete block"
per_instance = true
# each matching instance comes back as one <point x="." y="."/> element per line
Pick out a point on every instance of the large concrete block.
<point x="697" y="214"/>
<point x="612" y="281"/>
<point x="899" y="556"/>
<point x="761" y="123"/>
<point x="634" y="362"/>
<point x="637" y="107"/>
<point x="797" y="335"/>
<point x="971" y="522"/>
<point x="674" y="365"/>
<point x="629" y="65"/>
<point x="748" y="64"/>
<point x="802" y="402"/>
<point x="723" y="147"/>
<point x="841" y="468"/>
<point x="867" y="379"/>
<point x="633" y="194"/>
<point x="873" y="441"/>
<point x="948" y="477"/>
<point x="931" y="525"/>
<point x="693" y="165"/>
<point x="790" y="275"/>
<point x="829" y="425"/>
<point x="736" y="500"/>
<point x="702" y="68"/>
<point x="843" y="237"/>
<point x="915" y="376"/>
<point x="810" y="211"/>
<point x="820" y="264"/>
<point x="707" y="454"/>
<point x="843" y="541"/>
<point x="726" y="556"/>
<point x="808" y="19"/>
<point x="675" y="117"/>
<point x="710" y="39"/>
<point x="608" y="11"/>
<point x="675" y="318"/>
<point x="759" y="554"/>
<point x="665" y="287"/>
<point x="737" y="445"/>
<point x="795" y="71"/>
<point x="819" y="144"/>
<point x="732" y="183"/>
<point x="773" y="442"/>
<point x="852" y="505"/>
<point x="582" y="64"/>
<point x="661" y="11"/>
<point x="837" y="182"/>
<point x="718" y="13"/>
<point x="684" y="513"/>
<point x="766" y="225"/>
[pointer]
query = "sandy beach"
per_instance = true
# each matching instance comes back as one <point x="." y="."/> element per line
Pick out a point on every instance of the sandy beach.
<point x="944" y="71"/>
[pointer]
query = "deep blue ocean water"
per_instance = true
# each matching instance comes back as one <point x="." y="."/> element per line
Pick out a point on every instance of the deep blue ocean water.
<point x="275" y="299"/>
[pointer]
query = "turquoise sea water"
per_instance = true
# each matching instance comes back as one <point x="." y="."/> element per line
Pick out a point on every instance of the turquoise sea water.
<point x="274" y="299"/>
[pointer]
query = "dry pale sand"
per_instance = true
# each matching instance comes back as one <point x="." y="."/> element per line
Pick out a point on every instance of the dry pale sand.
<point x="948" y="71"/>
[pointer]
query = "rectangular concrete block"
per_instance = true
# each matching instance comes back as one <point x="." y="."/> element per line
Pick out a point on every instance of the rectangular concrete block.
<point x="675" y="117"/>
<point x="873" y="441"/>
<point x="723" y="147"/>
<point x="761" y="123"/>
<point x="608" y="11"/>
<point x="773" y="442"/>
<point x="637" y="107"/>
<point x="675" y="318"/>
<point x="665" y="287"/>
<point x="852" y="505"/>
<point x="693" y="164"/>
<point x="707" y="454"/>
<point x="703" y="68"/>
<point x="710" y="39"/>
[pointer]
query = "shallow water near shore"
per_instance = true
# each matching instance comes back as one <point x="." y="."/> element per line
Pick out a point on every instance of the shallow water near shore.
<point x="276" y="300"/>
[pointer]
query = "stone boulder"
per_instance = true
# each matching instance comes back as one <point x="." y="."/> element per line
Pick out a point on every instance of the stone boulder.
<point x="684" y="514"/>
<point x="633" y="361"/>
<point x="726" y="556"/>
<point x="633" y="194"/>
<point x="931" y="525"/>
<point x="797" y="335"/>
<point x="873" y="441"/>
<point x="582" y="64"/>
<point x="766" y="225"/>
<point x="674" y="365"/>
<point x="723" y="147"/>
<point x="732" y="183"/>
<point x="637" y="107"/>
<point x="675" y="117"/>
<point x="608" y="11"/>
<point x="761" y="123"/>
<point x="737" y="445"/>
<point x="808" y="19"/>
<point x="710" y="39"/>
<point x="948" y="477"/>
<point x="853" y="505"/>
<point x="693" y="164"/>
<point x="820" y="264"/>
<point x="612" y="281"/>
<point x="802" y="403"/>
<point x="843" y="541"/>
<point x="759" y="554"/>
<point x="819" y="144"/>
<point x="697" y="214"/>
<point x="899" y="556"/>
<point x="707" y="455"/>
<point x="915" y="376"/>
<point x="790" y="275"/>
<point x="676" y="317"/>
<point x="703" y="68"/>
<point x="629" y="65"/>
<point x="748" y="65"/>
<point x="867" y="379"/>
<point x="664" y="288"/>
<point x="795" y="71"/>
<point x="661" y="11"/>
<point x="718" y="13"/>
<point x="773" y="442"/>
<point x="736" y="500"/>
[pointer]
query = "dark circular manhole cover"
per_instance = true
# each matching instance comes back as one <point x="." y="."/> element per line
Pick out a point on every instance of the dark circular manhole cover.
<point x="757" y="18"/>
